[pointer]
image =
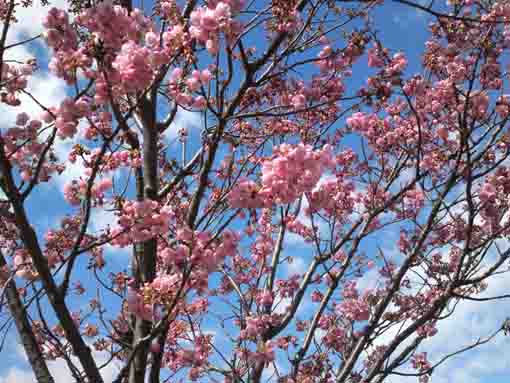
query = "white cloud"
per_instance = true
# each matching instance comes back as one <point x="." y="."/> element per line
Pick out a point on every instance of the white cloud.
<point x="471" y="321"/>
<point x="35" y="13"/>
<point x="183" y="119"/>
<point x="101" y="219"/>
<point x="45" y="87"/>
<point x="369" y="280"/>
<point x="282" y="305"/>
<point x="58" y="369"/>
<point x="297" y="266"/>
<point x="17" y="375"/>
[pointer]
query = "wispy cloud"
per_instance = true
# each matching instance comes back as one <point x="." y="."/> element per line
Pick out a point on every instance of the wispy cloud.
<point x="21" y="373"/>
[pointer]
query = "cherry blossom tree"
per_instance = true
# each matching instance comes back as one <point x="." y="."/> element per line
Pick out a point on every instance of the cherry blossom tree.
<point x="247" y="247"/>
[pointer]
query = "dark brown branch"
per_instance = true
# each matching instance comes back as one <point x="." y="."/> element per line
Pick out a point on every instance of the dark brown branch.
<point x="19" y="314"/>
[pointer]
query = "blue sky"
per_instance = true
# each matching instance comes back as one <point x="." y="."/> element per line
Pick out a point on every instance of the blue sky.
<point x="400" y="28"/>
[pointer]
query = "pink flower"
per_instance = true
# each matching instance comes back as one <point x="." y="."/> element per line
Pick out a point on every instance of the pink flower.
<point x="22" y="119"/>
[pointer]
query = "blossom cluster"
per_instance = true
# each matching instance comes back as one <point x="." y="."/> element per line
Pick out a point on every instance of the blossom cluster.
<point x="76" y="190"/>
<point x="196" y="249"/>
<point x="62" y="38"/>
<point x="292" y="171"/>
<point x="420" y="362"/>
<point x="14" y="80"/>
<point x="22" y="145"/>
<point x="335" y="196"/>
<point x="113" y="25"/>
<point x="493" y="196"/>
<point x="256" y="325"/>
<point x="199" y="248"/>
<point x="68" y="115"/>
<point x="192" y="84"/>
<point x="354" y="307"/>
<point x="141" y="220"/>
<point x="208" y="22"/>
